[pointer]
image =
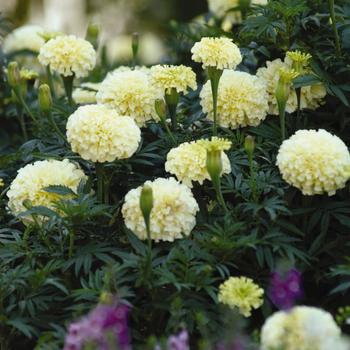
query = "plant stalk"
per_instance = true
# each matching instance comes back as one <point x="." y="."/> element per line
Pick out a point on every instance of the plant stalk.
<point x="334" y="26"/>
<point x="100" y="181"/>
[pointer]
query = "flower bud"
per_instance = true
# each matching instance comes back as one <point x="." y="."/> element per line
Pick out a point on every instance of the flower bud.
<point x="284" y="84"/>
<point x="214" y="164"/>
<point x="106" y="298"/>
<point x="92" y="34"/>
<point x="45" y="99"/>
<point x="160" y="108"/>
<point x="146" y="204"/>
<point x="249" y="145"/>
<point x="13" y="75"/>
<point x="135" y="44"/>
<point x="299" y="60"/>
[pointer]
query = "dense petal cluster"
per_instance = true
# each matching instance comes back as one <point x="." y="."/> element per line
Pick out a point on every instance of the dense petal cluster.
<point x="241" y="292"/>
<point x="311" y="96"/>
<point x="188" y="163"/>
<point x="242" y="100"/>
<point x="86" y="93"/>
<point x="173" y="215"/>
<point x="215" y="144"/>
<point x="301" y="328"/>
<point x="24" y="38"/>
<point x="31" y="180"/>
<point x="167" y="77"/>
<point x="68" y="55"/>
<point x="220" y="53"/>
<point x="315" y="162"/>
<point x="130" y="93"/>
<point x="99" y="134"/>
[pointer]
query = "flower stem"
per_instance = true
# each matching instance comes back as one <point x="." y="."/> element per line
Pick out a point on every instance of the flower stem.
<point x="24" y="104"/>
<point x="334" y="25"/>
<point x="55" y="127"/>
<point x="219" y="196"/>
<point x="170" y="134"/>
<point x="298" y="93"/>
<point x="282" y="114"/>
<point x="22" y="123"/>
<point x="172" y="100"/>
<point x="68" y="87"/>
<point x="100" y="181"/>
<point x="214" y="75"/>
<point x="252" y="177"/>
<point x="50" y="81"/>
<point x="71" y="243"/>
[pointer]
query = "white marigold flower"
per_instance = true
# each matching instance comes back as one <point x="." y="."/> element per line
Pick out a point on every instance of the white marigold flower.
<point x="130" y="93"/>
<point x="302" y="328"/>
<point x="220" y="53"/>
<point x="242" y="100"/>
<point x="99" y="134"/>
<point x="188" y="163"/>
<point x="86" y="93"/>
<point x="311" y="96"/>
<point x="173" y="215"/>
<point x="27" y="37"/>
<point x="68" y="55"/>
<point x="315" y="162"/>
<point x="31" y="180"/>
<point x="168" y="77"/>
<point x="241" y="292"/>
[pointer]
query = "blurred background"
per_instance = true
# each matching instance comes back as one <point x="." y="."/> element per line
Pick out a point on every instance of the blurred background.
<point x="118" y="20"/>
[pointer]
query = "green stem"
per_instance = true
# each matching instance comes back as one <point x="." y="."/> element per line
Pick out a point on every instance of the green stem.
<point x="71" y="243"/>
<point x="22" y="123"/>
<point x="100" y="181"/>
<point x="23" y="103"/>
<point x="170" y="134"/>
<point x="214" y="75"/>
<point x="50" y="81"/>
<point x="219" y="196"/>
<point x="252" y="177"/>
<point x="298" y="93"/>
<point x="55" y="126"/>
<point x="68" y="87"/>
<point x="282" y="114"/>
<point x="172" y="99"/>
<point x="172" y="114"/>
<point x="334" y="25"/>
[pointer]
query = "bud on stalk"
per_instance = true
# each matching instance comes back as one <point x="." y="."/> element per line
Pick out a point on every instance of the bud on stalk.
<point x="146" y="205"/>
<point x="45" y="99"/>
<point x="13" y="75"/>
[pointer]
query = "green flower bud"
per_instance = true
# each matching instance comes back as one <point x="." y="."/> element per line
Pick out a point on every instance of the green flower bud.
<point x="45" y="99"/>
<point x="214" y="164"/>
<point x="284" y="84"/>
<point x="92" y="34"/>
<point x="160" y="108"/>
<point x="13" y="74"/>
<point x="146" y="205"/>
<point x="249" y="145"/>
<point x="135" y="44"/>
<point x="106" y="298"/>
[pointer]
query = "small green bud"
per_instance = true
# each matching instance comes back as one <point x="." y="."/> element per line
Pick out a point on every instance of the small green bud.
<point x="13" y="74"/>
<point x="214" y="164"/>
<point x="92" y="34"/>
<point x="135" y="41"/>
<point x="45" y="99"/>
<point x="160" y="108"/>
<point x="106" y="298"/>
<point x="249" y="145"/>
<point x="146" y="205"/>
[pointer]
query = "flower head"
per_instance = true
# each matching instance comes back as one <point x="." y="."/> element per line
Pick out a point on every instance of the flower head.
<point x="315" y="162"/>
<point x="27" y="37"/>
<point x="241" y="292"/>
<point x="31" y="181"/>
<point x="220" y="53"/>
<point x="242" y="100"/>
<point x="173" y="214"/>
<point x="68" y="55"/>
<point x="299" y="59"/>
<point x="215" y="144"/>
<point x="188" y="161"/>
<point x="130" y="93"/>
<point x="180" y="78"/>
<point x="301" y="328"/>
<point x="99" y="134"/>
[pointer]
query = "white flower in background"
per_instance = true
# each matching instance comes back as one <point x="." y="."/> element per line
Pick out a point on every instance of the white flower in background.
<point x="130" y="93"/>
<point x="31" y="180"/>
<point x="242" y="100"/>
<point x="86" y="93"/>
<point x="99" y="134"/>
<point x="302" y="328"/>
<point x="68" y="55"/>
<point x="315" y="162"/>
<point x="27" y="37"/>
<point x="173" y="215"/>
<point x="311" y="96"/>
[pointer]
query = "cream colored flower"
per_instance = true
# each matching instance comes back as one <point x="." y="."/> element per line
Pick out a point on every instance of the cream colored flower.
<point x="215" y="144"/>
<point x="86" y="93"/>
<point x="173" y="215"/>
<point x="315" y="162"/>
<point x="188" y="163"/>
<point x="99" y="134"/>
<point x="27" y="37"/>
<point x="241" y="292"/>
<point x="31" y="180"/>
<point x="302" y="328"/>
<point x="68" y="55"/>
<point x="130" y="93"/>
<point x="311" y="96"/>
<point x="220" y="53"/>
<point x="242" y="100"/>
<point x="168" y="77"/>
